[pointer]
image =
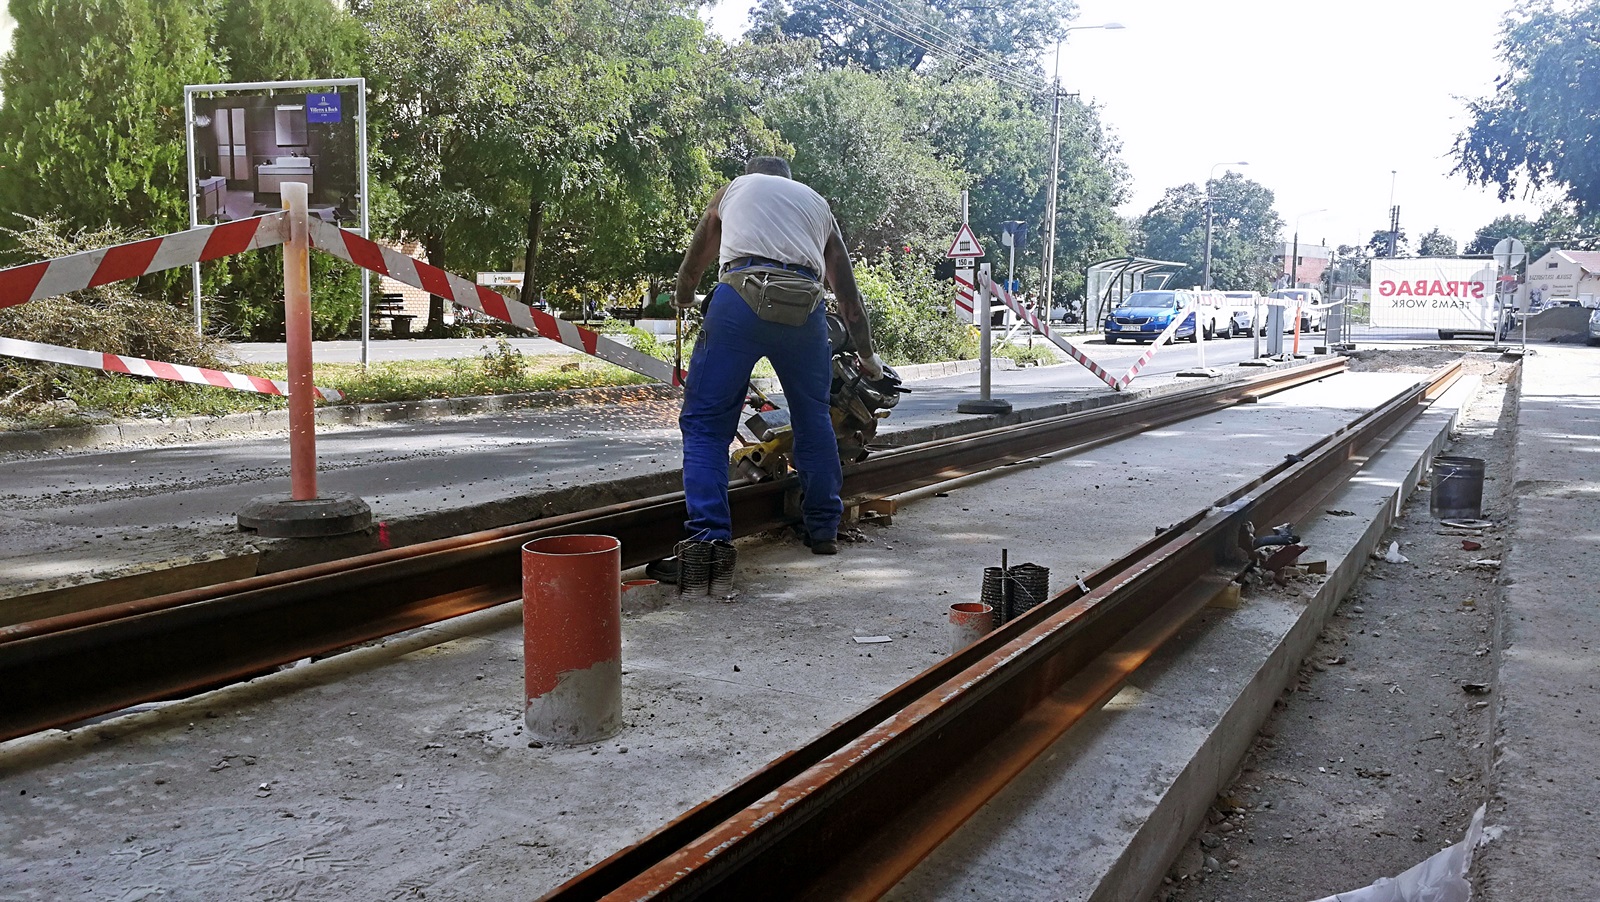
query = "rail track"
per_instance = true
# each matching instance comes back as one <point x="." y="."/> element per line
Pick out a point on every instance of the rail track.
<point x="830" y="819"/>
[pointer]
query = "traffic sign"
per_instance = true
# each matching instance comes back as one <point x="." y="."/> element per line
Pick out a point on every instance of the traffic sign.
<point x="1508" y="254"/>
<point x="965" y="245"/>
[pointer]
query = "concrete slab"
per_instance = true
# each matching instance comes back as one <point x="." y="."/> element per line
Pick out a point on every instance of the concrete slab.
<point x="402" y="769"/>
<point x="1546" y="778"/>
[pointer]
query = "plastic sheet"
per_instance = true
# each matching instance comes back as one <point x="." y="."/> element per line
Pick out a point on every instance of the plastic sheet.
<point x="1441" y="878"/>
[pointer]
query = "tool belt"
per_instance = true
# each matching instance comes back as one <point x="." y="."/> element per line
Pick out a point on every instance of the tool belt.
<point x="775" y="294"/>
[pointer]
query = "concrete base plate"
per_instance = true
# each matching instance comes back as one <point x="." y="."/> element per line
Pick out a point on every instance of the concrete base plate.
<point x="281" y="517"/>
<point x="1199" y="373"/>
<point x="1262" y="362"/>
<point x="979" y="405"/>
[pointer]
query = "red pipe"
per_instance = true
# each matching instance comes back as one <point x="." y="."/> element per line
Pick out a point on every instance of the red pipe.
<point x="297" y="337"/>
<point x="572" y="637"/>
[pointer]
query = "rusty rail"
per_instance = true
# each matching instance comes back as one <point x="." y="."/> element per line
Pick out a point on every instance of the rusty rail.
<point x="61" y="670"/>
<point x="850" y="814"/>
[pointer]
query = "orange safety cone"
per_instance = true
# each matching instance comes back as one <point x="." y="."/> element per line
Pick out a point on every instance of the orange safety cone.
<point x="572" y="637"/>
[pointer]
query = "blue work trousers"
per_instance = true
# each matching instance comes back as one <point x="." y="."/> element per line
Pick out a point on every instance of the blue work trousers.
<point x="731" y="340"/>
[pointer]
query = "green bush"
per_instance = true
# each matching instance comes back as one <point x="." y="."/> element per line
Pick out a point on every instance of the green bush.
<point x="503" y="362"/>
<point x="912" y="315"/>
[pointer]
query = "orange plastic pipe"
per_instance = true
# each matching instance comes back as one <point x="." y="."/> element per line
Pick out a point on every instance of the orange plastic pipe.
<point x="572" y="637"/>
<point x="297" y="336"/>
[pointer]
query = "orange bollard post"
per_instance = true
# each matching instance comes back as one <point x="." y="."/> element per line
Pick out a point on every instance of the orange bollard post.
<point x="1296" y="349"/>
<point x="572" y="638"/>
<point x="297" y="336"/>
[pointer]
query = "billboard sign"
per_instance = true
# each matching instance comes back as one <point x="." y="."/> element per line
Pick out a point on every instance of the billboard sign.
<point x="248" y="141"/>
<point x="1446" y="293"/>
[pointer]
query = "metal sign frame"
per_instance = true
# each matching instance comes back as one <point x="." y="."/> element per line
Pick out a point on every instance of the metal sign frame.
<point x="269" y="87"/>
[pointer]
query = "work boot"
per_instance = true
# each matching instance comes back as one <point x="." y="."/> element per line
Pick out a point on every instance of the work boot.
<point x="822" y="546"/>
<point x="663" y="571"/>
<point x="694" y="566"/>
<point x="723" y="558"/>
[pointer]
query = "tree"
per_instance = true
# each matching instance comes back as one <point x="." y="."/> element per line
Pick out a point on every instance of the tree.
<point x="288" y="40"/>
<point x="1379" y="245"/>
<point x="1436" y="244"/>
<point x="1518" y="227"/>
<point x="858" y="147"/>
<point x="1243" y="235"/>
<point x="878" y="36"/>
<point x="91" y="130"/>
<point x="446" y="81"/>
<point x="1538" y="126"/>
<point x="683" y="118"/>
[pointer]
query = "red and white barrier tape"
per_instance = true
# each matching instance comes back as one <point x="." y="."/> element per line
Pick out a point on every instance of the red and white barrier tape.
<point x="1044" y="329"/>
<point x="48" y="278"/>
<point x="154" y="369"/>
<point x="1164" y="338"/>
<point x="370" y="255"/>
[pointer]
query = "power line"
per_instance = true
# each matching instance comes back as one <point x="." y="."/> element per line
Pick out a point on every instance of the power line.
<point x="971" y="56"/>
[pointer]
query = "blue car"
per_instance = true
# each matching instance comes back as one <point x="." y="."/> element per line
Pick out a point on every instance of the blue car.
<point x="1146" y="314"/>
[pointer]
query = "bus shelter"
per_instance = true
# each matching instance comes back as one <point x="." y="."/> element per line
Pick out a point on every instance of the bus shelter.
<point x="1109" y="281"/>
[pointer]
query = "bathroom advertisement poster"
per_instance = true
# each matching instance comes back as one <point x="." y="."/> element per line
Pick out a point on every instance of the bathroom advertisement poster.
<point x="248" y="145"/>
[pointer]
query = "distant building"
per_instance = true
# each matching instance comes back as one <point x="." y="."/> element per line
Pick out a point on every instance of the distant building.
<point x="1314" y="260"/>
<point x="1564" y="276"/>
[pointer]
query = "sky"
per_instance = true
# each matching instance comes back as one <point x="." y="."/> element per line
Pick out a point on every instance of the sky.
<point x="1333" y="105"/>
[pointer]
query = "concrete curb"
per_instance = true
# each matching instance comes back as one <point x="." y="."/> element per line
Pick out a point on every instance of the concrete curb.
<point x="277" y="421"/>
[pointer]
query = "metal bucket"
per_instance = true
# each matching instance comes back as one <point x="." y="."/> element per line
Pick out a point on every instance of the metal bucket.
<point x="1457" y="488"/>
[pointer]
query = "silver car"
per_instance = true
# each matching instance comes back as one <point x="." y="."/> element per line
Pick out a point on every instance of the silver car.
<point x="1594" y="327"/>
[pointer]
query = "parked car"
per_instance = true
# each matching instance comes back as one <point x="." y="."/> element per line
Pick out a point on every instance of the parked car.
<point x="1594" y="327"/>
<point x="1146" y="314"/>
<point x="1308" y="300"/>
<point x="1242" y="310"/>
<point x="1062" y="313"/>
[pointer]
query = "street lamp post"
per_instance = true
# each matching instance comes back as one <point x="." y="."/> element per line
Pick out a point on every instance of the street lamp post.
<point x="1205" y="278"/>
<point x="1055" y="168"/>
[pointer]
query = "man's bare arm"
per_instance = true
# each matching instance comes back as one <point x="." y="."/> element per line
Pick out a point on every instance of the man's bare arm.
<point x="702" y="252"/>
<point x="842" y="278"/>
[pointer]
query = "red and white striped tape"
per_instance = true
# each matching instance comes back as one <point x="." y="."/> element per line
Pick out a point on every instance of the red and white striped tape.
<point x="370" y="255"/>
<point x="1164" y="338"/>
<point x="48" y="278"/>
<point x="1068" y="347"/>
<point x="154" y="369"/>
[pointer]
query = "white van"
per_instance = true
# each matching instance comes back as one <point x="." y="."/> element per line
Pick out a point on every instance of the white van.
<point x="1309" y="302"/>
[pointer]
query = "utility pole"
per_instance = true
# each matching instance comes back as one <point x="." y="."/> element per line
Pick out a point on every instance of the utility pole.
<point x="1049" y="267"/>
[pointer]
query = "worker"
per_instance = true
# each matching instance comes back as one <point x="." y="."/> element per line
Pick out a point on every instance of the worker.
<point x="777" y="243"/>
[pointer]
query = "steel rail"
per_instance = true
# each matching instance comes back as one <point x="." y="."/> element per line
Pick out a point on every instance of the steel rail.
<point x="60" y="670"/>
<point x="850" y="814"/>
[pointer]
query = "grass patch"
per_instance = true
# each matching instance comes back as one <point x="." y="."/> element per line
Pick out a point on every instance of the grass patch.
<point x="86" y="397"/>
<point x="1040" y="354"/>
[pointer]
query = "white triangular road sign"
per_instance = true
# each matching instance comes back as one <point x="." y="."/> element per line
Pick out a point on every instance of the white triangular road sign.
<point x="966" y="244"/>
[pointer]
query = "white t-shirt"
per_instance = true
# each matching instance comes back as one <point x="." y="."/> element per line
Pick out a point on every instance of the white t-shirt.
<point x="776" y="218"/>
